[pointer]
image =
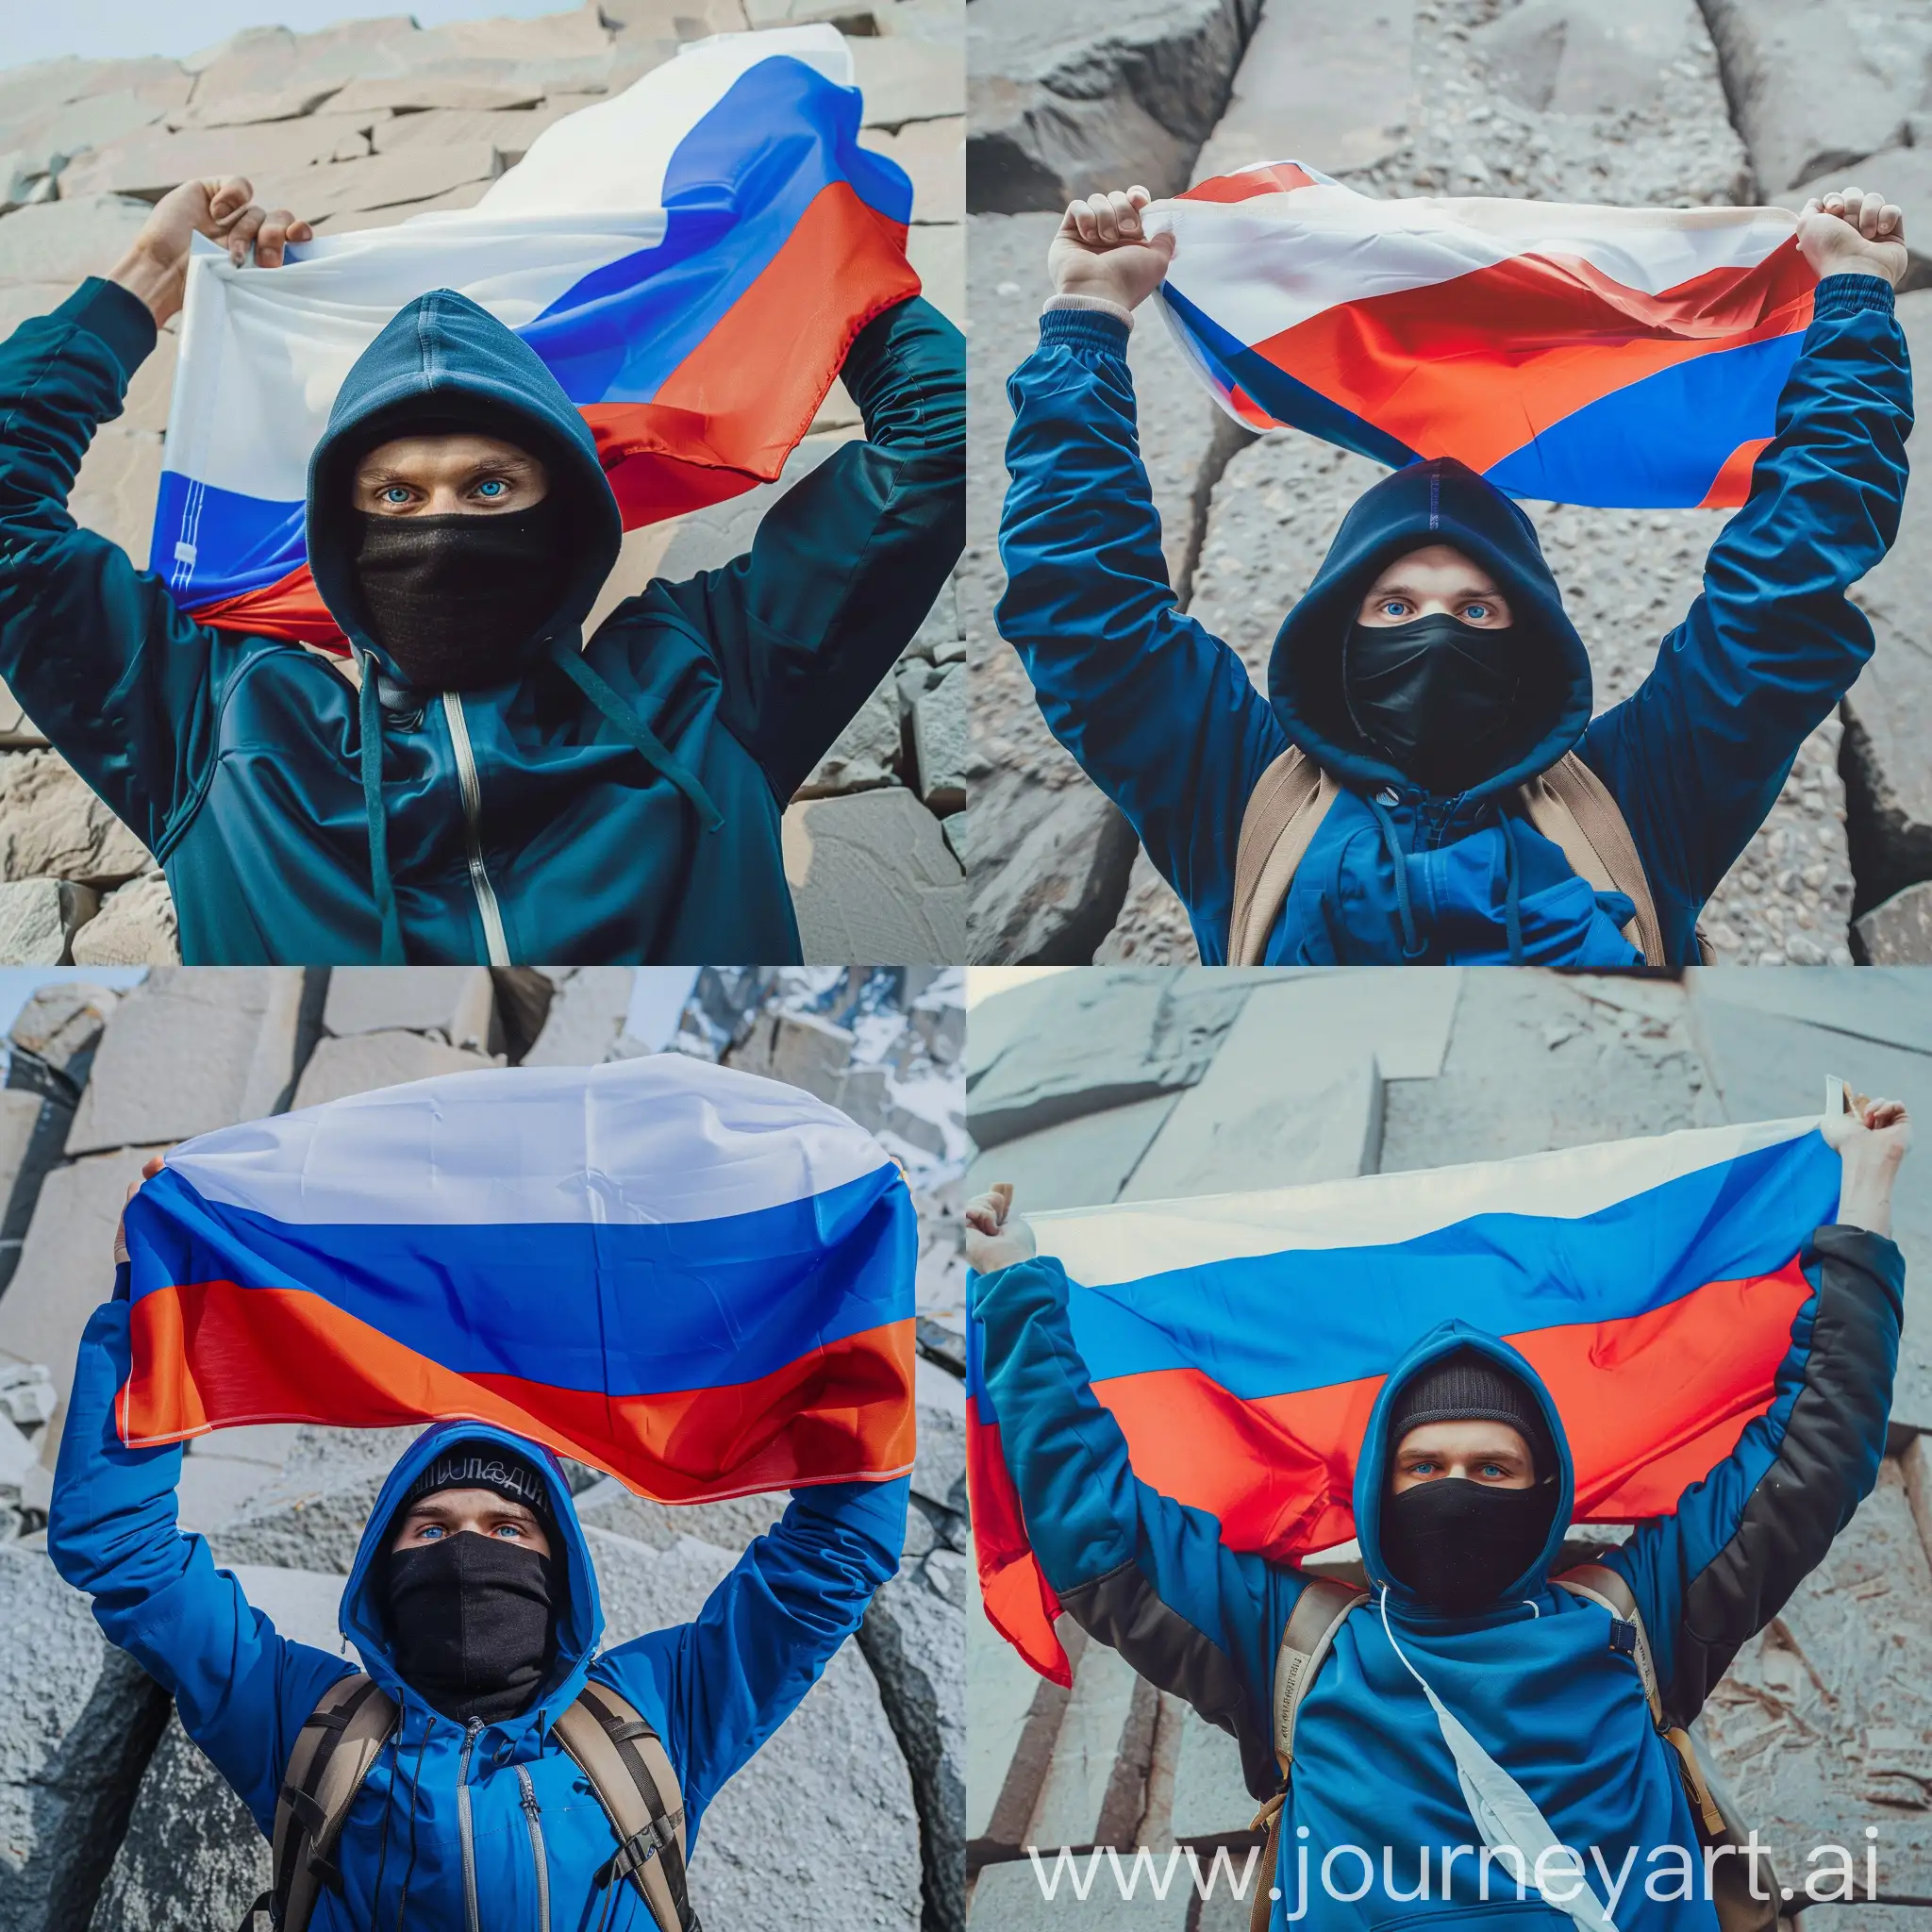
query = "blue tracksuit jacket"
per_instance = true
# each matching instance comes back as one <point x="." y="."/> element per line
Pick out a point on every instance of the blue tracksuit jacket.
<point x="1534" y="1678"/>
<point x="715" y="1688"/>
<point x="1164" y="719"/>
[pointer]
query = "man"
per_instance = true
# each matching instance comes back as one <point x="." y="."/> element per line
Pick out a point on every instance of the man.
<point x="472" y="1605"/>
<point x="1462" y="1495"/>
<point x="495" y="790"/>
<point x="1430" y="670"/>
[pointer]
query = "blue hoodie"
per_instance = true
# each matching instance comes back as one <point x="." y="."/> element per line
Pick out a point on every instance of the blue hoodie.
<point x="1165" y="720"/>
<point x="714" y="1690"/>
<point x="607" y="805"/>
<point x="1534" y="1678"/>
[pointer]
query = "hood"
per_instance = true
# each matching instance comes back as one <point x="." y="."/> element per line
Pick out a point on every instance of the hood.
<point x="583" y="1620"/>
<point x="1440" y="500"/>
<point x="1371" y="1467"/>
<point x="444" y="358"/>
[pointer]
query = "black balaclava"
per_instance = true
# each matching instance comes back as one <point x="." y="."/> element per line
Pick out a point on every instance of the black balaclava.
<point x="1458" y="1544"/>
<point x="1435" y="696"/>
<point x="454" y="599"/>
<point x="472" y="1618"/>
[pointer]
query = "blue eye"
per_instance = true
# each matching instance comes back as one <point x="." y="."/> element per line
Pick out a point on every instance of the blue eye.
<point x="396" y="494"/>
<point x="491" y="490"/>
<point x="1394" y="607"/>
<point x="1475" y="612"/>
<point x="431" y="1532"/>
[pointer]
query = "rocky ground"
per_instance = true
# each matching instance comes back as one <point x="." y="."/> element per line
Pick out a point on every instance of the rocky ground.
<point x="368" y="123"/>
<point x="1091" y="1086"/>
<point x="1666" y="102"/>
<point x="109" y="1817"/>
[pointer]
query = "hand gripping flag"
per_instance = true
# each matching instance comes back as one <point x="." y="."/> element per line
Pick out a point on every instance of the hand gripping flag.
<point x="1620" y="356"/>
<point x="698" y="1281"/>
<point x="1239" y="1340"/>
<point x="691" y="258"/>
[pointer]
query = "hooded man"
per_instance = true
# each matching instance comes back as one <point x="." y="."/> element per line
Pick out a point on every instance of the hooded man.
<point x="1430" y="670"/>
<point x="472" y="1605"/>
<point x="484" y="787"/>
<point x="1462" y="1495"/>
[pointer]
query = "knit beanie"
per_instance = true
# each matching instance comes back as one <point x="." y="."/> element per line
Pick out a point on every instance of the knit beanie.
<point x="1467" y="1385"/>
<point x="482" y="1464"/>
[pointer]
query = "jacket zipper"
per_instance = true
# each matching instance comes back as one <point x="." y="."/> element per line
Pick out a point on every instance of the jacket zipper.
<point x="465" y="1835"/>
<point x="472" y="823"/>
<point x="535" y="1822"/>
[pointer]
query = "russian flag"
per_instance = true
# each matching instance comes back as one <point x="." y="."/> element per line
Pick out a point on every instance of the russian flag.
<point x="1241" y="1339"/>
<point x="696" y="1279"/>
<point x="691" y="258"/>
<point x="1619" y="356"/>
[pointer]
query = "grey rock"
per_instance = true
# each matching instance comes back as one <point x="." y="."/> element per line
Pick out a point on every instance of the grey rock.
<point x="710" y="539"/>
<point x="904" y="78"/>
<point x="1903" y="175"/>
<point x="801" y="1049"/>
<point x="27" y="1394"/>
<point x="66" y="1266"/>
<point x="31" y="1129"/>
<point x="16" y="1453"/>
<point x="53" y="827"/>
<point x="728" y="1526"/>
<point x="937" y="252"/>
<point x="866" y="754"/>
<point x="933" y="153"/>
<point x="938" y="1474"/>
<point x="18" y="732"/>
<point x="189" y="1050"/>
<point x="65" y="241"/>
<point x="941" y="625"/>
<point x="82" y="1720"/>
<point x="915" y="1642"/>
<point x="1080" y="1163"/>
<point x="358" y="185"/>
<point x="1153" y="928"/>
<point x="135" y="927"/>
<point x="939" y="743"/>
<point x="1812" y="89"/>
<point x="62" y="1025"/>
<point x="457" y="1004"/>
<point x="824" y="1816"/>
<point x="1897" y="933"/>
<point x="369" y="1060"/>
<point x="872" y="879"/>
<point x="151" y="164"/>
<point x="954" y="829"/>
<point x="938" y="1017"/>
<point x="585" y="1018"/>
<point x="1086" y="95"/>
<point x="38" y="919"/>
<point x="913" y="678"/>
<point x="301" y="1523"/>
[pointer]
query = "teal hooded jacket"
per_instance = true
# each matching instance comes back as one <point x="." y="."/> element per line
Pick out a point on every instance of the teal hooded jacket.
<point x="613" y="802"/>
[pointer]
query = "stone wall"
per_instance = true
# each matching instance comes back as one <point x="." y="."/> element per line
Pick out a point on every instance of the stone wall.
<point x="109" y="1816"/>
<point x="1091" y="1086"/>
<point x="1664" y="102"/>
<point x="369" y="124"/>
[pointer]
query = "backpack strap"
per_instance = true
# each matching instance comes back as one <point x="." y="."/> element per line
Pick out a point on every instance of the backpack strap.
<point x="1284" y="811"/>
<point x="1575" y="810"/>
<point x="632" y="1775"/>
<point x="1307" y="1641"/>
<point x="338" y="1741"/>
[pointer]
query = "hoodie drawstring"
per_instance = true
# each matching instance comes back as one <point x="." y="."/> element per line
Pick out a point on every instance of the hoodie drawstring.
<point x="370" y="706"/>
<point x="655" y="752"/>
<point x="1512" y="890"/>
<point x="1412" y="948"/>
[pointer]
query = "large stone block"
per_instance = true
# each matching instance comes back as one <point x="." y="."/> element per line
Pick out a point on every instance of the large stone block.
<point x="1079" y="1163"/>
<point x="824" y="1815"/>
<point x="1813" y="89"/>
<point x="135" y="927"/>
<point x="193" y="1049"/>
<point x="509" y="131"/>
<point x="457" y="1004"/>
<point x="586" y="1018"/>
<point x="872" y="879"/>
<point x="81" y="1719"/>
<point x="728" y="1526"/>
<point x="60" y="1027"/>
<point x="150" y="164"/>
<point x="710" y="539"/>
<point x="425" y="90"/>
<point x="903" y="79"/>
<point x="114" y="494"/>
<point x="53" y="827"/>
<point x="933" y="153"/>
<point x="1898" y="932"/>
<point x="381" y="181"/>
<point x="63" y="242"/>
<point x="939" y="743"/>
<point x="18" y="732"/>
<point x="1086" y="94"/>
<point x="801" y="1049"/>
<point x="38" y="919"/>
<point x="937" y="251"/>
<point x="369" y="1060"/>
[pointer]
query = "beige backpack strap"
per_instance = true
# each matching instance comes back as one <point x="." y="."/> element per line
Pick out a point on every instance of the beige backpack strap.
<point x="1601" y="1585"/>
<point x="1284" y="811"/>
<point x="629" y="1770"/>
<point x="338" y="1741"/>
<point x="1574" y="810"/>
<point x="1306" y="1642"/>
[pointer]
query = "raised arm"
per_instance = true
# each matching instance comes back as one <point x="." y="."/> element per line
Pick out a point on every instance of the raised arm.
<point x="1160" y="715"/>
<point x="848" y="561"/>
<point x="104" y="662"/>
<point x="728" y="1680"/>
<point x="1709" y="1577"/>
<point x="1142" y="1573"/>
<point x="1698" y="755"/>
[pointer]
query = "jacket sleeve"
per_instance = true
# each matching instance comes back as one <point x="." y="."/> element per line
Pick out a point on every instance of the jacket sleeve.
<point x="1698" y="755"/>
<point x="1142" y="1573"/>
<point x="241" y="1690"/>
<point x="847" y="562"/>
<point x="1710" y="1577"/>
<point x="765" y="1635"/>
<point x="1160" y="715"/>
<point x="102" y="657"/>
